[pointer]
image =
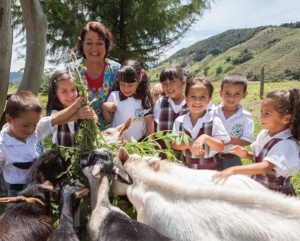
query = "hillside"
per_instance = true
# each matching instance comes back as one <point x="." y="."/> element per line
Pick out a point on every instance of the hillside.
<point x="244" y="51"/>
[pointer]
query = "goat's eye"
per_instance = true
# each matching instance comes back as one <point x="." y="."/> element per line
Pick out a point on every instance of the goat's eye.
<point x="107" y="132"/>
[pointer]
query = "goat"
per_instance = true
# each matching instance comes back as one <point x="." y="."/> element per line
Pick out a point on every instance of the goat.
<point x="117" y="134"/>
<point x="24" y="221"/>
<point x="69" y="194"/>
<point x="108" y="222"/>
<point x="186" y="205"/>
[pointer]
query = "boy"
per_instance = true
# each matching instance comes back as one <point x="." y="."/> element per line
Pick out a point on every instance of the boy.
<point x="21" y="136"/>
<point x="236" y="120"/>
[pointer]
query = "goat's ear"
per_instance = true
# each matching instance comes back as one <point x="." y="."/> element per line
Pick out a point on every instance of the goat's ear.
<point x="126" y="125"/>
<point x="96" y="169"/>
<point x="123" y="154"/>
<point x="47" y="185"/>
<point x="121" y="175"/>
<point x="83" y="192"/>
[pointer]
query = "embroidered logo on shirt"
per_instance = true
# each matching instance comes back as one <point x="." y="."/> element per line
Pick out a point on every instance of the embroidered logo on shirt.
<point x="138" y="114"/>
<point x="39" y="148"/>
<point x="237" y="131"/>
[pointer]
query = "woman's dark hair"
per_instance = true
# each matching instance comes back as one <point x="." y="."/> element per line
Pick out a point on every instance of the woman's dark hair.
<point x="130" y="72"/>
<point x="170" y="72"/>
<point x="201" y="79"/>
<point x="53" y="102"/>
<point x="103" y="33"/>
<point x="21" y="102"/>
<point x="286" y="102"/>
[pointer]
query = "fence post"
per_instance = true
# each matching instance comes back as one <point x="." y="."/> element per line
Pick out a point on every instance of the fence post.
<point x="262" y="83"/>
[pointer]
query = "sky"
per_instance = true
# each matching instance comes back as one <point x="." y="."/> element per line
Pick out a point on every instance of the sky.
<point x="225" y="15"/>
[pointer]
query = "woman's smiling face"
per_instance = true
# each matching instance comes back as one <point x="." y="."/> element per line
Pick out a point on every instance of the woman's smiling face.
<point x="93" y="47"/>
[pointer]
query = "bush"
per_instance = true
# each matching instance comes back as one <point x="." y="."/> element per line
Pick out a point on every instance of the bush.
<point x="219" y="70"/>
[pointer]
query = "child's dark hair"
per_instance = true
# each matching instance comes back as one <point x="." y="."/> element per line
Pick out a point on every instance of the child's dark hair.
<point x="201" y="79"/>
<point x="235" y="79"/>
<point x="286" y="102"/>
<point x="130" y="72"/>
<point x="53" y="101"/>
<point x="21" y="102"/>
<point x="171" y="72"/>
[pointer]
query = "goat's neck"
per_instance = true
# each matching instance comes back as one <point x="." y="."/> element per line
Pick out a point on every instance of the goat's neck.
<point x="66" y="211"/>
<point x="100" y="188"/>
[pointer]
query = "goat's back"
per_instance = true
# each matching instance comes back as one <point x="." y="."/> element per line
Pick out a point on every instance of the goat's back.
<point x="118" y="227"/>
<point x="25" y="222"/>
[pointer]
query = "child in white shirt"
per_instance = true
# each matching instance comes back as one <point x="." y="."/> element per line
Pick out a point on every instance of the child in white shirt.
<point x="131" y="98"/>
<point x="21" y="136"/>
<point x="207" y="132"/>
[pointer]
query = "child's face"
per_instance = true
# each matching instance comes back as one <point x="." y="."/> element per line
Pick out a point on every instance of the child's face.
<point x="128" y="89"/>
<point x="155" y="96"/>
<point x="271" y="119"/>
<point x="197" y="99"/>
<point x="173" y="88"/>
<point x="232" y="94"/>
<point x="24" y="125"/>
<point x="66" y="92"/>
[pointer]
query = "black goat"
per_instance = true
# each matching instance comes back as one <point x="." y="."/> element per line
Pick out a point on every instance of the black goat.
<point x="108" y="222"/>
<point x="70" y="192"/>
<point x="24" y="221"/>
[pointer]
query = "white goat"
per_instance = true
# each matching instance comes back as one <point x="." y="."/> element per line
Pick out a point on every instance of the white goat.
<point x="108" y="222"/>
<point x="187" y="205"/>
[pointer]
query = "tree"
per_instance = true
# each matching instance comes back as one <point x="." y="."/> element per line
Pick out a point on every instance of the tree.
<point x="36" y="32"/>
<point x="142" y="29"/>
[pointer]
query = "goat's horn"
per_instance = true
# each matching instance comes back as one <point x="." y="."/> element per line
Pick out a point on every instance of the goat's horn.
<point x="12" y="199"/>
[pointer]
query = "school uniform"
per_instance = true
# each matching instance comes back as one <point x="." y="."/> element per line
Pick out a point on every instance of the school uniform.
<point x="130" y="107"/>
<point x="281" y="150"/>
<point x="64" y="135"/>
<point x="16" y="156"/>
<point x="239" y="126"/>
<point x="209" y="125"/>
<point x="166" y="111"/>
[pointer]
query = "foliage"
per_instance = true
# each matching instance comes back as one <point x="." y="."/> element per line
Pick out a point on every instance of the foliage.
<point x="141" y="29"/>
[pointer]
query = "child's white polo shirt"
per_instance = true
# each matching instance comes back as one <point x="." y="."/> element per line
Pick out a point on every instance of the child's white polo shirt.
<point x="218" y="130"/>
<point x="130" y="107"/>
<point x="239" y="126"/>
<point x="157" y="108"/>
<point x="284" y="154"/>
<point x="12" y="151"/>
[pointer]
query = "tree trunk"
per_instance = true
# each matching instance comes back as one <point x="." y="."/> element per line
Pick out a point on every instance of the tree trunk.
<point x="5" y="59"/>
<point x="5" y="50"/>
<point x="36" y="31"/>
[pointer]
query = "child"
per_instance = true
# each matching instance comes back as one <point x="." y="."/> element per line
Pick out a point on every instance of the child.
<point x="21" y="136"/>
<point x="131" y="98"/>
<point x="62" y="94"/>
<point x="172" y="104"/>
<point x="156" y="92"/>
<point x="236" y="120"/>
<point x="276" y="149"/>
<point x="207" y="132"/>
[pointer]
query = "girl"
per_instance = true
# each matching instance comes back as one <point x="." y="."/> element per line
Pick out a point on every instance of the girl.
<point x="62" y="94"/>
<point x="131" y="98"/>
<point x="208" y="133"/>
<point x="172" y="104"/>
<point x="276" y="149"/>
<point x="156" y="92"/>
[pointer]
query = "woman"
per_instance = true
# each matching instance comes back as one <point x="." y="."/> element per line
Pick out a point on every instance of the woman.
<point x="96" y="70"/>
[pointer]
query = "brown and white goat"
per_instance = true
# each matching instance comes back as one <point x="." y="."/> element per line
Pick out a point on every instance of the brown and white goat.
<point x="108" y="222"/>
<point x="69" y="194"/>
<point x="187" y="205"/>
<point x="24" y="221"/>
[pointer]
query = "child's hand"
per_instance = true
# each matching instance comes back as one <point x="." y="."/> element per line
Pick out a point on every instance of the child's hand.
<point x="109" y="106"/>
<point x="239" y="151"/>
<point x="225" y="173"/>
<point x="197" y="146"/>
<point x="80" y="100"/>
<point x="85" y="112"/>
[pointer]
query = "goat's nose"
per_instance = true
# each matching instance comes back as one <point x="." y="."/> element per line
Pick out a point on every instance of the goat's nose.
<point x="83" y="163"/>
